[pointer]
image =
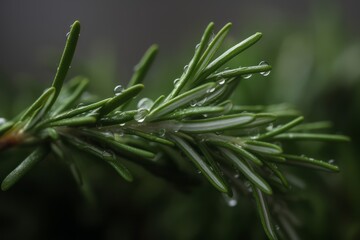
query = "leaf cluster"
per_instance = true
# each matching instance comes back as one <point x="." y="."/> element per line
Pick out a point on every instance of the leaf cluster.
<point x="195" y="128"/>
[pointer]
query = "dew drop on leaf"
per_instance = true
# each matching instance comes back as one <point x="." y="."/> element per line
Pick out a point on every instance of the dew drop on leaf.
<point x="331" y="161"/>
<point x="247" y="76"/>
<point x="221" y="81"/>
<point x="145" y="103"/>
<point x="211" y="90"/>
<point x="193" y="103"/>
<point x="118" y="89"/>
<point x="230" y="201"/>
<point x="141" y="115"/>
<point x="162" y="132"/>
<point x="176" y="81"/>
<point x="263" y="63"/>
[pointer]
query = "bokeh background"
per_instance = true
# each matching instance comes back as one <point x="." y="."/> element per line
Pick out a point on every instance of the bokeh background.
<point x="313" y="46"/>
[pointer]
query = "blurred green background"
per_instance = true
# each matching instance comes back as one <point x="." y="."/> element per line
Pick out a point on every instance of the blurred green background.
<point x="314" y="49"/>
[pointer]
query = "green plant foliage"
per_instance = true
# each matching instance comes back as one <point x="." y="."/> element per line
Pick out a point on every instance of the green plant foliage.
<point x="196" y="118"/>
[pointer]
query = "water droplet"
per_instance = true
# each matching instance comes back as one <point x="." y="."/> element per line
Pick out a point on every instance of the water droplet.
<point x="2" y="121"/>
<point x="141" y="115"/>
<point x="67" y="34"/>
<point x="197" y="46"/>
<point x="231" y="201"/>
<point x="162" y="132"/>
<point x="247" y="76"/>
<point x="205" y="115"/>
<point x="201" y="102"/>
<point x="211" y="90"/>
<point x="118" y="89"/>
<point x="263" y="63"/>
<point x="176" y="81"/>
<point x="145" y="103"/>
<point x="122" y="124"/>
<point x="193" y="103"/>
<point x="270" y="127"/>
<point x="277" y="227"/>
<point x="236" y="175"/>
<point x="108" y="134"/>
<point x="221" y="81"/>
<point x="186" y="68"/>
<point x="198" y="171"/>
<point x="331" y="161"/>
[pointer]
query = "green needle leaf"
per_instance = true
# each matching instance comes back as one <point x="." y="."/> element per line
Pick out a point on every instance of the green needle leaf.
<point x="262" y="147"/>
<point x="122" y="170"/>
<point x="215" y="167"/>
<point x="79" y="110"/>
<point x="35" y="157"/>
<point x="180" y="101"/>
<point x="245" y="169"/>
<point x="121" y="148"/>
<point x="192" y="65"/>
<point x="273" y="167"/>
<point x="73" y="122"/>
<point x="261" y="119"/>
<point x="264" y="213"/>
<point x="200" y="164"/>
<point x="194" y="111"/>
<point x="310" y="162"/>
<point x="312" y="136"/>
<point x="106" y="155"/>
<point x="237" y="149"/>
<point x="312" y="126"/>
<point x="143" y="66"/>
<point x="239" y="72"/>
<point x="45" y="98"/>
<point x="229" y="54"/>
<point x="211" y="50"/>
<point x="281" y="129"/>
<point x="150" y="137"/>
<point x="118" y="118"/>
<point x="120" y="99"/>
<point x="78" y="86"/>
<point x="66" y="58"/>
<point x="216" y="123"/>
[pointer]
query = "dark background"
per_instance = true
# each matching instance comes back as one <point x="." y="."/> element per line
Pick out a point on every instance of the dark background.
<point x="313" y="46"/>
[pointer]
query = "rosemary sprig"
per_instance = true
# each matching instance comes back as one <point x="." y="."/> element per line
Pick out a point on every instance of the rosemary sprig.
<point x="195" y="118"/>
